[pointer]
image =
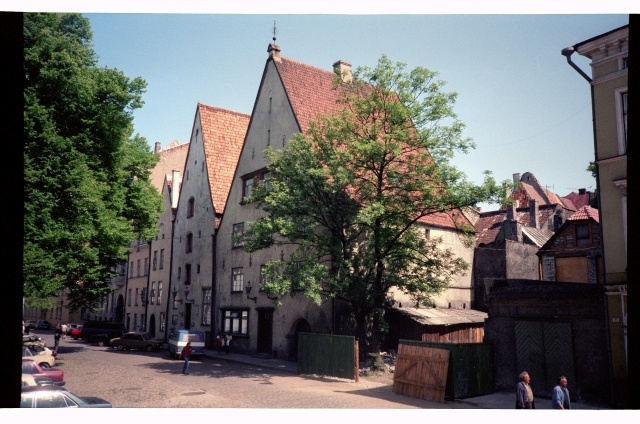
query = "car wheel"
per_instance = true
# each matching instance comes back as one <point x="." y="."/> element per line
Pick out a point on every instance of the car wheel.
<point x="120" y="347"/>
<point x="45" y="365"/>
<point x="101" y="342"/>
<point x="149" y="348"/>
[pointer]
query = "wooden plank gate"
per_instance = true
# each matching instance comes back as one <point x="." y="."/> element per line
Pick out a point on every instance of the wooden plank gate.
<point x="421" y="372"/>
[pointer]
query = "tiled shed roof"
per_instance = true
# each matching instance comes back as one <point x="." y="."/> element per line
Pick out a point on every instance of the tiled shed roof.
<point x="586" y="212"/>
<point x="223" y="134"/>
<point x="172" y="158"/>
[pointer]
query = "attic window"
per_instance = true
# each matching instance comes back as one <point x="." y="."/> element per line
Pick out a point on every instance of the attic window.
<point x="582" y="231"/>
<point x="190" y="207"/>
<point x="252" y="180"/>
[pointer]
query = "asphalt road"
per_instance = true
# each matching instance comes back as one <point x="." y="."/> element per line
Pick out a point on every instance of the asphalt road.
<point x="132" y="379"/>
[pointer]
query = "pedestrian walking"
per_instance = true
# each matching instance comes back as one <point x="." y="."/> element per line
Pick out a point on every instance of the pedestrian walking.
<point x="560" y="398"/>
<point x="186" y="355"/>
<point x="227" y="342"/>
<point x="56" y="342"/>
<point x="524" y="393"/>
<point x="63" y="328"/>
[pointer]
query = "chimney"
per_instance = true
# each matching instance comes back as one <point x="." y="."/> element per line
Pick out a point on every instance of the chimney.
<point x="533" y="213"/>
<point x="175" y="188"/>
<point x="582" y="191"/>
<point x="343" y="68"/>
<point x="516" y="178"/>
<point x="157" y="147"/>
<point x="511" y="212"/>
<point x="274" y="52"/>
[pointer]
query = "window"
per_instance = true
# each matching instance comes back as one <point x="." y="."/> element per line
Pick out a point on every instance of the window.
<point x="135" y="300"/>
<point x="236" y="321"/>
<point x="206" y="306"/>
<point x="238" y="230"/>
<point x="155" y="260"/>
<point x="161" y="258"/>
<point x="131" y="270"/>
<point x="159" y="298"/>
<point x="621" y="119"/>
<point x="251" y="180"/>
<point x="237" y="279"/>
<point x="179" y="272"/>
<point x="582" y="232"/>
<point x="189" y="247"/>
<point x="129" y="298"/>
<point x="190" y="207"/>
<point x="162" y="321"/>
<point x="146" y="266"/>
<point x="138" y="274"/>
<point x="153" y="293"/>
<point x="187" y="274"/>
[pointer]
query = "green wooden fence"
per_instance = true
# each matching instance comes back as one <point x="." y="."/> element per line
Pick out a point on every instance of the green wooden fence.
<point x="327" y="354"/>
<point x="471" y="371"/>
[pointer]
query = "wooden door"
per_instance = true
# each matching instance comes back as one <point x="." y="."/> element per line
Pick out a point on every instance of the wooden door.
<point x="421" y="372"/>
<point x="265" y="331"/>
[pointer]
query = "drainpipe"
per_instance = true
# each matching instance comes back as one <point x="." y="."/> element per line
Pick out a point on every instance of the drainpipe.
<point x="567" y="52"/>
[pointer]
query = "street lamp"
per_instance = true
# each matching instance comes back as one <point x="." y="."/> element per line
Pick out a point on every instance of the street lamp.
<point x="248" y="288"/>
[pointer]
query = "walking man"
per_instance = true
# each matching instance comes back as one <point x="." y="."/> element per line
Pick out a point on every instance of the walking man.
<point x="560" y="398"/>
<point x="524" y="393"/>
<point x="186" y="355"/>
<point x="63" y="327"/>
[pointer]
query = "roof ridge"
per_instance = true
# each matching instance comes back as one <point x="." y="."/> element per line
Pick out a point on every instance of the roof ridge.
<point x="221" y="109"/>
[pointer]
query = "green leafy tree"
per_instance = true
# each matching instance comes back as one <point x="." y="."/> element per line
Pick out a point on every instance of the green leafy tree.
<point x="86" y="176"/>
<point x="351" y="192"/>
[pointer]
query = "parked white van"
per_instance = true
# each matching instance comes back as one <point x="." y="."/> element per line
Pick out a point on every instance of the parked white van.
<point x="179" y="338"/>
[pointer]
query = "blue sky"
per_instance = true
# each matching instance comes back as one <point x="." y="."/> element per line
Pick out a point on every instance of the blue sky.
<point x="524" y="106"/>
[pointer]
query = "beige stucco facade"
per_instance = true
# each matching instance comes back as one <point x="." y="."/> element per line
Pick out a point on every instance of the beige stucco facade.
<point x="269" y="329"/>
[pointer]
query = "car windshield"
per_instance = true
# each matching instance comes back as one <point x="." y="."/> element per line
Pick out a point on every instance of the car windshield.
<point x="147" y="336"/>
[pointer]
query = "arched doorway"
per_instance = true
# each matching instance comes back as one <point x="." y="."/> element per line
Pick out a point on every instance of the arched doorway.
<point x="300" y="326"/>
<point x="152" y="325"/>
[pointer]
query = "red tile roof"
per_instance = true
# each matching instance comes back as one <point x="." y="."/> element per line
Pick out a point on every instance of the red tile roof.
<point x="311" y="94"/>
<point x="310" y="90"/>
<point x="586" y="212"/>
<point x="223" y="134"/>
<point x="172" y="157"/>
<point x="579" y="200"/>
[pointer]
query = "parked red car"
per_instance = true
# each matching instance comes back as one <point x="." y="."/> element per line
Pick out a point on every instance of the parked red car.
<point x="75" y="332"/>
<point x="30" y="366"/>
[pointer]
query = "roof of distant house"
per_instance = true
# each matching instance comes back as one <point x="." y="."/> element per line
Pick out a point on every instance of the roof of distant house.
<point x="172" y="157"/>
<point x="586" y="212"/>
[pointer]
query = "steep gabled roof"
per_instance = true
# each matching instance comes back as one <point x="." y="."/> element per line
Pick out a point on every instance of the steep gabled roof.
<point x="310" y="90"/>
<point x="311" y="94"/>
<point x="223" y="133"/>
<point x="172" y="158"/>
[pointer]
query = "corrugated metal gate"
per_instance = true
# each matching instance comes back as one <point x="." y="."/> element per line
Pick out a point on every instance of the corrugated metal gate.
<point x="328" y="354"/>
<point x="545" y="351"/>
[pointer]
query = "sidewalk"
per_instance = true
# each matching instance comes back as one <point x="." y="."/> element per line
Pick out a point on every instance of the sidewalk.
<point x="497" y="400"/>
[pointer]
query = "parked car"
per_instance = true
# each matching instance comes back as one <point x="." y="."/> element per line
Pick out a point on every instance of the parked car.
<point x="76" y="331"/>
<point x="57" y="397"/>
<point x="45" y="357"/>
<point x="30" y="380"/>
<point x="33" y="341"/>
<point x="30" y="324"/>
<point x="99" y="339"/>
<point x="70" y="327"/>
<point x="136" y="340"/>
<point x="29" y="366"/>
<point x="93" y="328"/>
<point x="43" y="324"/>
